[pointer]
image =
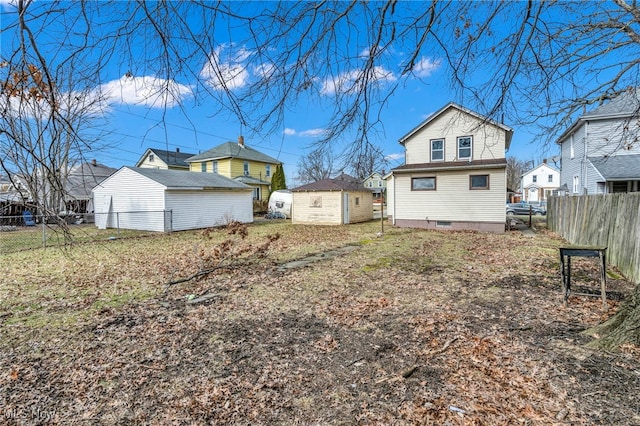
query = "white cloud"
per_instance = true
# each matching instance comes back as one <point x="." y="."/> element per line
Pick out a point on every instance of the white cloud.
<point x="348" y="82"/>
<point x="313" y="133"/>
<point x="226" y="68"/>
<point x="395" y="156"/>
<point x="425" y="67"/>
<point x="150" y="91"/>
<point x="8" y="4"/>
<point x="289" y="132"/>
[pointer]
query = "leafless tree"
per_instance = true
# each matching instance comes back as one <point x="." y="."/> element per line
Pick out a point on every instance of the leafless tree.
<point x="515" y="169"/>
<point x="316" y="165"/>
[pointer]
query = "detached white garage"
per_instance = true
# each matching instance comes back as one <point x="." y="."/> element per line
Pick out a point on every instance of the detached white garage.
<point x="170" y="200"/>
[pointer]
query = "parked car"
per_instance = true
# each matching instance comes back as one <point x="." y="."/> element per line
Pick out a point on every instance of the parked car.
<point x="524" y="208"/>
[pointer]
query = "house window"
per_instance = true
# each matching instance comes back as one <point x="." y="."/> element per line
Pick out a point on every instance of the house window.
<point x="550" y="179"/>
<point x="268" y="167"/>
<point x="576" y="184"/>
<point x="370" y="184"/>
<point x="535" y="178"/>
<point x="246" y="168"/>
<point x="215" y="167"/>
<point x="571" y="153"/>
<point x="437" y="150"/>
<point x="203" y="166"/>
<point x="443" y="224"/>
<point x="479" y="182"/>
<point x="315" y="201"/>
<point x="357" y="201"/>
<point x="464" y="147"/>
<point x="151" y="158"/>
<point x="618" y="186"/>
<point x="256" y="193"/>
<point x="379" y="184"/>
<point x="423" y="184"/>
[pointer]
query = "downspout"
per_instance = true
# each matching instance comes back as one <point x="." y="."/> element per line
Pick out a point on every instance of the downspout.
<point x="584" y="160"/>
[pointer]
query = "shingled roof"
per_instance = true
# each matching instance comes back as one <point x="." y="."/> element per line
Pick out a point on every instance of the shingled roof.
<point x="233" y="150"/>
<point x="182" y="179"/>
<point x="341" y="183"/>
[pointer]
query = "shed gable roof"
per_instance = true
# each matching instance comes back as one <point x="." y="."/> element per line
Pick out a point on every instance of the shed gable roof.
<point x="182" y="179"/>
<point x="335" y="184"/>
<point x="233" y="150"/>
<point x="508" y="130"/>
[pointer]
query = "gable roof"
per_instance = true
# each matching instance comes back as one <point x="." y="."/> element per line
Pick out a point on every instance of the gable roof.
<point x="84" y="176"/>
<point x="626" y="104"/>
<point x="171" y="158"/>
<point x="335" y="184"/>
<point x="550" y="166"/>
<point x="182" y="179"/>
<point x="233" y="150"/>
<point x="617" y="167"/>
<point x="508" y="130"/>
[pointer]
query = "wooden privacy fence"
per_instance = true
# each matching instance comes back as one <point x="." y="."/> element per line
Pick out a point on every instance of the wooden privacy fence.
<point x="611" y="220"/>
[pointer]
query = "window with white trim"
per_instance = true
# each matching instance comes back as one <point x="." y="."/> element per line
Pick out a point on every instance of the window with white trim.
<point x="203" y="166"/>
<point x="268" y="168"/>
<point x="215" y="166"/>
<point x="437" y="150"/>
<point x="246" y="168"/>
<point x="550" y="178"/>
<point x="535" y="178"/>
<point x="576" y="184"/>
<point x="465" y="144"/>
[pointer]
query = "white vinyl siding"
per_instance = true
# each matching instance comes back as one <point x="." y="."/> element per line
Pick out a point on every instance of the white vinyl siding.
<point x="202" y="209"/>
<point x="488" y="140"/>
<point x="453" y="201"/>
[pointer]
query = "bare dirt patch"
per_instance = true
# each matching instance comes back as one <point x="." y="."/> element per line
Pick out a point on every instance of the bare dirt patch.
<point x="415" y="327"/>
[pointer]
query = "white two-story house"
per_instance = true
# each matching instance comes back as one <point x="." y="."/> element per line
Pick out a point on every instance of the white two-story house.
<point x="539" y="183"/>
<point x="454" y="176"/>
<point x="601" y="151"/>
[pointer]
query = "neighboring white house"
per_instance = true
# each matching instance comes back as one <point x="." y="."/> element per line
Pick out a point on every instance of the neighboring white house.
<point x="455" y="173"/>
<point x="338" y="201"/>
<point x="170" y="200"/>
<point x="601" y="151"/>
<point x="154" y="158"/>
<point x="539" y="183"/>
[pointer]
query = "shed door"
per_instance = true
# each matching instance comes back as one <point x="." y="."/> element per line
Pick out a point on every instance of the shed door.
<point x="345" y="208"/>
<point x="103" y="210"/>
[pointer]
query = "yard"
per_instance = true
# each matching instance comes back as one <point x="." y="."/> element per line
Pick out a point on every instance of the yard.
<point x="335" y="325"/>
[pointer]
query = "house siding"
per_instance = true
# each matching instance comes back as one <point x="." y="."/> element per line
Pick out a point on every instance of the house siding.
<point x="573" y="166"/>
<point x="452" y="200"/>
<point x="488" y="141"/>
<point x="202" y="209"/>
<point x="363" y="211"/>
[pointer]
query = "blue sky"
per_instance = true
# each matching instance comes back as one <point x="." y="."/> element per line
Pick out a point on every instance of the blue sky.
<point x="132" y="120"/>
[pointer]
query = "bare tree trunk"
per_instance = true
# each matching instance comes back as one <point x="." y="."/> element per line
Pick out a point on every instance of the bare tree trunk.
<point x="623" y="327"/>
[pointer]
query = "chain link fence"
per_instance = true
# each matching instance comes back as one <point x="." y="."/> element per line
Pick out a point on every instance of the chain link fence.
<point x="27" y="232"/>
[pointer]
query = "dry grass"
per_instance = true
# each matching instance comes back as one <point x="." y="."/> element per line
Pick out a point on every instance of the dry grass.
<point x="414" y="327"/>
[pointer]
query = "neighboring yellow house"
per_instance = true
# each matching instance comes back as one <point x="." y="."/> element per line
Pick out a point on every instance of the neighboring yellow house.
<point x="239" y="162"/>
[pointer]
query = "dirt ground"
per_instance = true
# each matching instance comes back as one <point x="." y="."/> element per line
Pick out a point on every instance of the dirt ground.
<point x="411" y="327"/>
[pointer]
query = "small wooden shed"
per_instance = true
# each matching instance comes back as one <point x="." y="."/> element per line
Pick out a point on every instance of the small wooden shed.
<point x="337" y="201"/>
<point x="170" y="200"/>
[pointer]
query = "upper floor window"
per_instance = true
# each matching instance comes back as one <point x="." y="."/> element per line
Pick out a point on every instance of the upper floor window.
<point x="571" y="150"/>
<point x="151" y="158"/>
<point x="203" y="166"/>
<point x="215" y="167"/>
<point x="535" y="178"/>
<point x="464" y="147"/>
<point x="268" y="168"/>
<point x="550" y="178"/>
<point x="246" y="168"/>
<point x="379" y="184"/>
<point x="437" y="150"/>
<point x="370" y="184"/>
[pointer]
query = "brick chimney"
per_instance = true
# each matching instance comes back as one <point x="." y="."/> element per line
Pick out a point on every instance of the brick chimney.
<point x="94" y="162"/>
<point x="177" y="149"/>
<point x="241" y="141"/>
